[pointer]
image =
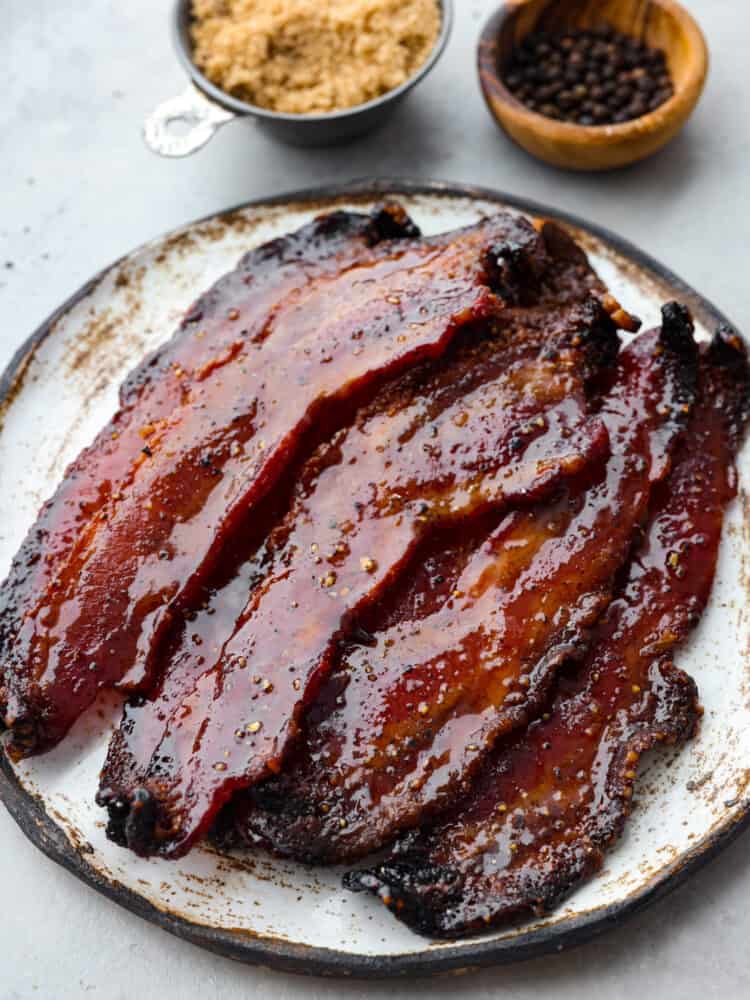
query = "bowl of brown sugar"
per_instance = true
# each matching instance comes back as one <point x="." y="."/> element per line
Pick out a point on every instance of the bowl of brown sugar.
<point x="592" y="86"/>
<point x="311" y="72"/>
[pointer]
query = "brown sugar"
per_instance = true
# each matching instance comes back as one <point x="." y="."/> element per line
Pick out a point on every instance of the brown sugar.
<point x="312" y="56"/>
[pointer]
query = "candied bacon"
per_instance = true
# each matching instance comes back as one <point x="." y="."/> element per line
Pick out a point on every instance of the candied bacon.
<point x="208" y="464"/>
<point x="407" y="718"/>
<point x="215" y="329"/>
<point x="546" y="806"/>
<point x="362" y="520"/>
<point x="499" y="420"/>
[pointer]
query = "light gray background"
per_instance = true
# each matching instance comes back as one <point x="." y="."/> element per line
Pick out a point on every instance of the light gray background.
<point x="77" y="189"/>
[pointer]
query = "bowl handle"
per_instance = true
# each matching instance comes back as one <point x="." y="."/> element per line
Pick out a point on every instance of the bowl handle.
<point x="192" y="109"/>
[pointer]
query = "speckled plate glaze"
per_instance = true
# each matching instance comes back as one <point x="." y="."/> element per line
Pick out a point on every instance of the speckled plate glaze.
<point x="57" y="392"/>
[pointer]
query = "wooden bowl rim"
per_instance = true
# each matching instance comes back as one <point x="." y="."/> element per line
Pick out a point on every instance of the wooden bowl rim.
<point x="497" y="94"/>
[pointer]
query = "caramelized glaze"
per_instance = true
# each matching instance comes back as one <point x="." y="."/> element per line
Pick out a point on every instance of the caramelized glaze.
<point x="500" y="420"/>
<point x="206" y="465"/>
<point x="213" y="332"/>
<point x="421" y="705"/>
<point x="547" y="804"/>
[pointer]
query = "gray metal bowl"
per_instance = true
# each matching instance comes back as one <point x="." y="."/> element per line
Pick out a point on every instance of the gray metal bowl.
<point x="204" y="108"/>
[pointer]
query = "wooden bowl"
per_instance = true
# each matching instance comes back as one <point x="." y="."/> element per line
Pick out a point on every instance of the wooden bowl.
<point x="661" y="24"/>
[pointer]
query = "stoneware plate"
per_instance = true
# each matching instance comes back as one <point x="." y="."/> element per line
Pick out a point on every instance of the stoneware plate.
<point x="58" y="391"/>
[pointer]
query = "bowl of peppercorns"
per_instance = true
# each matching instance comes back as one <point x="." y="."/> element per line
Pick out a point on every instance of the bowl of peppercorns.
<point x="592" y="86"/>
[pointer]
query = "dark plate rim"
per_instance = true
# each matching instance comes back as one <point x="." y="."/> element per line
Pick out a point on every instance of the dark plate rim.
<point x="29" y="813"/>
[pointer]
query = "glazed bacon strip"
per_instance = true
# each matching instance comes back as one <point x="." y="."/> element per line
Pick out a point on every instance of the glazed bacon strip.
<point x="405" y="722"/>
<point x="208" y="465"/>
<point x="211" y="334"/>
<point x="501" y="420"/>
<point x="546" y="806"/>
<point x="222" y="323"/>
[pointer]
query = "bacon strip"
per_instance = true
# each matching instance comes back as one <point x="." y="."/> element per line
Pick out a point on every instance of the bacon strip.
<point x="212" y="461"/>
<point x="420" y="708"/>
<point x="499" y="420"/>
<point x="219" y="326"/>
<point x="547" y="805"/>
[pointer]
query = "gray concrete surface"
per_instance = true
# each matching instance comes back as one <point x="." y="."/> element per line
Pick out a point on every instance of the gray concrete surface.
<point x="78" y="189"/>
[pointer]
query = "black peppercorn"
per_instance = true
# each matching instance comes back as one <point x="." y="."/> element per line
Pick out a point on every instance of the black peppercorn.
<point x="592" y="77"/>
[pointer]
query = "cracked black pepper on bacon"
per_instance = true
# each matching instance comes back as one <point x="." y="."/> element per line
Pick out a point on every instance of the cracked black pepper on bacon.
<point x="355" y="547"/>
